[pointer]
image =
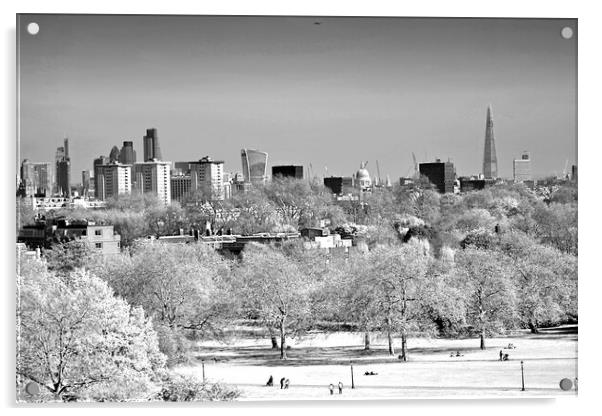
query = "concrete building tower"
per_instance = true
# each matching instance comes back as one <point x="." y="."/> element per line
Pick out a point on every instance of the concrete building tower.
<point x="490" y="156"/>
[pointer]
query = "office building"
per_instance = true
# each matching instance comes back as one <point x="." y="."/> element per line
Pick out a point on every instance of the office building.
<point x="151" y="147"/>
<point x="208" y="174"/>
<point x="113" y="180"/>
<point x="153" y="177"/>
<point x="490" y="156"/>
<point x="338" y="184"/>
<point x="114" y="155"/>
<point x="287" y="171"/>
<point x="87" y="183"/>
<point x="254" y="166"/>
<point x="127" y="154"/>
<point x="63" y="170"/>
<point x="472" y="184"/>
<point x="574" y="173"/>
<point x="440" y="174"/>
<point x="521" y="168"/>
<point x="99" y="161"/>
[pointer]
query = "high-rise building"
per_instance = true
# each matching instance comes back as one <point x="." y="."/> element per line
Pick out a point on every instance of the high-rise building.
<point x="254" y="166"/>
<point x="113" y="180"/>
<point x="209" y="174"/>
<point x="114" y="155"/>
<point x="127" y="154"/>
<point x="87" y="183"/>
<point x="574" y="173"/>
<point x="441" y="174"/>
<point x="180" y="187"/>
<point x="153" y="177"/>
<point x="522" y="168"/>
<point x="36" y="178"/>
<point x="288" y="171"/>
<point x="490" y="156"/>
<point x="151" y="147"/>
<point x="101" y="160"/>
<point x="63" y="170"/>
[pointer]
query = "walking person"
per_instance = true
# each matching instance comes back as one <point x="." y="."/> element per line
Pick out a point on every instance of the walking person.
<point x="331" y="388"/>
<point x="282" y="383"/>
<point x="270" y="382"/>
<point x="501" y="355"/>
<point x="287" y="382"/>
<point x="340" y="387"/>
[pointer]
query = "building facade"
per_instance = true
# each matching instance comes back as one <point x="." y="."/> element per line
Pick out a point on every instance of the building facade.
<point x="521" y="168"/>
<point x="338" y="184"/>
<point x="440" y="174"/>
<point x="288" y="171"/>
<point x="180" y="187"/>
<point x="63" y="170"/>
<point x="127" y="154"/>
<point x="115" y="179"/>
<point x="153" y="177"/>
<point x="254" y="166"/>
<point x="208" y="174"/>
<point x="490" y="155"/>
<point x="36" y="178"/>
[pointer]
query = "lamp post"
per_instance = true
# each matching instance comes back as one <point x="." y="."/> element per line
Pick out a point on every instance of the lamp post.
<point x="522" y="375"/>
<point x="203" y="366"/>
<point x="352" y="383"/>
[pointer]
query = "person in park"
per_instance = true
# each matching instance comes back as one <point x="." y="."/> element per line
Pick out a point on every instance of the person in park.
<point x="282" y="383"/>
<point x="287" y="382"/>
<point x="331" y="388"/>
<point x="270" y="382"/>
<point x="501" y="355"/>
<point x="340" y="387"/>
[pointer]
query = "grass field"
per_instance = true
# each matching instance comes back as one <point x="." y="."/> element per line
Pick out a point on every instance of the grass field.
<point x="318" y="359"/>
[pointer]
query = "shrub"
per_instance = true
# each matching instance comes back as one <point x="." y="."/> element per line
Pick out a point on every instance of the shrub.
<point x="179" y="388"/>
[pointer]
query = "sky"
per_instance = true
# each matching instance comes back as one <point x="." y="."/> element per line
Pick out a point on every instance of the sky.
<point x="328" y="91"/>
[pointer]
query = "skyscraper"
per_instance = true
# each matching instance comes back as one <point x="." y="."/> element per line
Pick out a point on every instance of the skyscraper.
<point x="151" y="147"/>
<point x="98" y="162"/>
<point x="63" y="170"/>
<point x="288" y="171"/>
<point x="36" y="178"/>
<point x="522" y="168"/>
<point x="254" y="165"/>
<point x="490" y="156"/>
<point x="127" y="155"/>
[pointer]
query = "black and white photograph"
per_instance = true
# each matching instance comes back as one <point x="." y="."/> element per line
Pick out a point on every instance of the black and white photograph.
<point x="295" y="207"/>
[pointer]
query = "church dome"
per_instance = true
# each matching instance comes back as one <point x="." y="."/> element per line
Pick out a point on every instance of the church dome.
<point x="362" y="175"/>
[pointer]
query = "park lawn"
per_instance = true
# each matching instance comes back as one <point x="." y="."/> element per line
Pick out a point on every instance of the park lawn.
<point x="318" y="359"/>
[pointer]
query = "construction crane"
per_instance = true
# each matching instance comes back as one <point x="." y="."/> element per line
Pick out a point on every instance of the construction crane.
<point x="564" y="171"/>
<point x="378" y="173"/>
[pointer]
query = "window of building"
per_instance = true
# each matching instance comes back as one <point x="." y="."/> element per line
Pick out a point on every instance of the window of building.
<point x="97" y="232"/>
<point x="98" y="245"/>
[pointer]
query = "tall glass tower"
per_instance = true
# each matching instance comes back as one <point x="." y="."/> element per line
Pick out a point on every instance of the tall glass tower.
<point x="254" y="165"/>
<point x="490" y="157"/>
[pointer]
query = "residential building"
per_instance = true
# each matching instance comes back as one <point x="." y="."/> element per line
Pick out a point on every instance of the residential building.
<point x="180" y="187"/>
<point x="208" y="174"/>
<point x="114" y="179"/>
<point x="153" y="177"/>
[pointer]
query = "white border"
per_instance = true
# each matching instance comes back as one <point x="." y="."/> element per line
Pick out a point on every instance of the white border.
<point x="589" y="154"/>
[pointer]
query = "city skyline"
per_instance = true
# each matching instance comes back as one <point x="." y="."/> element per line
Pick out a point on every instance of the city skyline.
<point x="346" y="84"/>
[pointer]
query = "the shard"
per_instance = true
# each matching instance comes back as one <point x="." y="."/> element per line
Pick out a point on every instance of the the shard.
<point x="490" y="157"/>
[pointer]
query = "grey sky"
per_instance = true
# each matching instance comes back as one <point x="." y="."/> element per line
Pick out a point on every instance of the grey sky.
<point x="333" y="94"/>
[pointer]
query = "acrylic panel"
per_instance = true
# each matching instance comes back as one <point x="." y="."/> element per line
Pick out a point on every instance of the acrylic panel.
<point x="295" y="208"/>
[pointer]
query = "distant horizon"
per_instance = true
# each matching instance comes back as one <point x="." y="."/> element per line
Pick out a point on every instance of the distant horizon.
<point x="334" y="94"/>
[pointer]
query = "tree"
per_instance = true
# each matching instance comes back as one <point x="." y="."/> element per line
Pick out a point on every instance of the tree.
<point x="64" y="258"/>
<point x="398" y="274"/>
<point x="274" y="290"/>
<point x="486" y="278"/>
<point x="76" y="338"/>
<point x="179" y="285"/>
<point x="546" y="281"/>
